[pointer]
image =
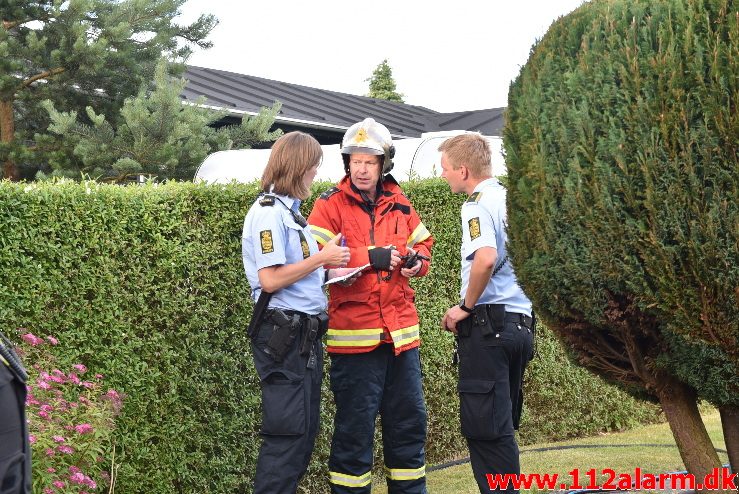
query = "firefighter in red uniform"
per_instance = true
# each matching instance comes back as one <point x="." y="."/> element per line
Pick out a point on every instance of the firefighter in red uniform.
<point x="373" y="334"/>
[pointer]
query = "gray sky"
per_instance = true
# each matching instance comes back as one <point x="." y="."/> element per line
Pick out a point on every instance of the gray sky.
<point x="450" y="56"/>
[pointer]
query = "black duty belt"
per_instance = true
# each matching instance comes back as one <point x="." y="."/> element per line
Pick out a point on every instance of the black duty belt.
<point x="495" y="310"/>
<point x="288" y="312"/>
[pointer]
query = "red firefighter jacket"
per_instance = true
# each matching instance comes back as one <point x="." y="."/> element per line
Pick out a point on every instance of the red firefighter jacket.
<point x="372" y="310"/>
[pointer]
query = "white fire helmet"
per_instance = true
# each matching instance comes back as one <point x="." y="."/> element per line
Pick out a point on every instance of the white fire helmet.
<point x="368" y="137"/>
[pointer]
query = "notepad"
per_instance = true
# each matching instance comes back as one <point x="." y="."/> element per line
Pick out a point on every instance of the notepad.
<point x="348" y="275"/>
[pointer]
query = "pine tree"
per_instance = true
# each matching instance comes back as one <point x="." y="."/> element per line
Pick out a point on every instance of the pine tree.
<point x="78" y="53"/>
<point x="621" y="145"/>
<point x="156" y="135"/>
<point x="382" y="84"/>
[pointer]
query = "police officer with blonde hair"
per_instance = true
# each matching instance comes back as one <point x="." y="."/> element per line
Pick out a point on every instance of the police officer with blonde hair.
<point x="493" y="320"/>
<point x="286" y="273"/>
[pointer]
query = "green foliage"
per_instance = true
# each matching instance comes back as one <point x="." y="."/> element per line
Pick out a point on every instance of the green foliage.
<point x="148" y="282"/>
<point x="158" y="135"/>
<point x="254" y="130"/>
<point x="621" y="145"/>
<point x="382" y="84"/>
<point x="79" y="53"/>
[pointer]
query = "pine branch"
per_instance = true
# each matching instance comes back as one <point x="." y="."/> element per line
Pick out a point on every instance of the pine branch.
<point x="43" y="75"/>
<point x="10" y="25"/>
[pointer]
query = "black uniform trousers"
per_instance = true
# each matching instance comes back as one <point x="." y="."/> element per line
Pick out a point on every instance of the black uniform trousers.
<point x="15" y="454"/>
<point x="494" y="350"/>
<point x="365" y="384"/>
<point x="291" y="402"/>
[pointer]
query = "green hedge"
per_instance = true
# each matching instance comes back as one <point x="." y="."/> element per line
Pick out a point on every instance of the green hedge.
<point x="145" y="284"/>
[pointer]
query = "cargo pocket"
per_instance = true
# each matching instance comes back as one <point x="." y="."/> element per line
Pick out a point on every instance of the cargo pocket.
<point x="283" y="404"/>
<point x="11" y="474"/>
<point x="477" y="408"/>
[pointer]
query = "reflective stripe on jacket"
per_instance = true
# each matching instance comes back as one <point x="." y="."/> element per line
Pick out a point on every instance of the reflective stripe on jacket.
<point x="371" y="310"/>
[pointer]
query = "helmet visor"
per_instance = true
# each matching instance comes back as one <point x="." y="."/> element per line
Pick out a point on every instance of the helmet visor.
<point x="360" y="150"/>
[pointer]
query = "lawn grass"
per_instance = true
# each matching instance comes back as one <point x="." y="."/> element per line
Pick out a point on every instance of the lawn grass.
<point x="654" y="459"/>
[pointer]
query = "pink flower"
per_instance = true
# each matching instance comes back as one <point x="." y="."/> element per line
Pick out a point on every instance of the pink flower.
<point x="58" y="439"/>
<point x="90" y="483"/>
<point x="88" y="385"/>
<point x="83" y="428"/>
<point x="46" y="408"/>
<point x="65" y="449"/>
<point x="74" y="378"/>
<point x="43" y="384"/>
<point x="51" y="470"/>
<point x="74" y="469"/>
<point x="59" y="484"/>
<point x="98" y="376"/>
<point x="80" y="368"/>
<point x="49" y="452"/>
<point x="52" y="340"/>
<point x="43" y="415"/>
<point x="48" y="490"/>
<point x="77" y="478"/>
<point x="32" y="339"/>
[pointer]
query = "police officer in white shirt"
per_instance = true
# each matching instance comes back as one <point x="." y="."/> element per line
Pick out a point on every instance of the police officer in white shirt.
<point x="286" y="273"/>
<point x="493" y="322"/>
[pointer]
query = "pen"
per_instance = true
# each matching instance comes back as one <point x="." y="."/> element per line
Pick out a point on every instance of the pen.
<point x="343" y="241"/>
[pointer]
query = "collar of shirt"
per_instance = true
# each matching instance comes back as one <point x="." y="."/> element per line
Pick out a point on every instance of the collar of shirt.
<point x="290" y="202"/>
<point x="485" y="183"/>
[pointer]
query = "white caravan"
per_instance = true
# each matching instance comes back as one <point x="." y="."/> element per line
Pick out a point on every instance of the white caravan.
<point x="414" y="158"/>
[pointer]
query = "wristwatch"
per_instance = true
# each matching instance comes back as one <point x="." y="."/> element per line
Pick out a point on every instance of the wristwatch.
<point x="465" y="308"/>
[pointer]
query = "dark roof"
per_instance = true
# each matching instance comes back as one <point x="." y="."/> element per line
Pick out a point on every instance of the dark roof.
<point x="309" y="107"/>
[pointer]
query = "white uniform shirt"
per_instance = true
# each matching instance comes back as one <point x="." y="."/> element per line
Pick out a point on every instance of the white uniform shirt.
<point x="271" y="237"/>
<point x="484" y="225"/>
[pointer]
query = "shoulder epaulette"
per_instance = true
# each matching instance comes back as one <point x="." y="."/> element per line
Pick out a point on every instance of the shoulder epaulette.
<point x="267" y="200"/>
<point x="475" y="197"/>
<point x="329" y="192"/>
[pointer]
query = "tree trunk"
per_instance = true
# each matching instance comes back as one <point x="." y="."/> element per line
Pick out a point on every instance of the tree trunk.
<point x="7" y="134"/>
<point x="730" y="425"/>
<point x="679" y="403"/>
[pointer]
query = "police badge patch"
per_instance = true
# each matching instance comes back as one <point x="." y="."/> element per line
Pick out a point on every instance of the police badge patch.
<point x="265" y="237"/>
<point x="474" y="224"/>
<point x="306" y="249"/>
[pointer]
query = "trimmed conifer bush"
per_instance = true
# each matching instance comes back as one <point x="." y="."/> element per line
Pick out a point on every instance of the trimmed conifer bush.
<point x="622" y="144"/>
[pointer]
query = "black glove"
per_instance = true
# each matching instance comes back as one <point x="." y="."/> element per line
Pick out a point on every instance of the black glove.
<point x="380" y="258"/>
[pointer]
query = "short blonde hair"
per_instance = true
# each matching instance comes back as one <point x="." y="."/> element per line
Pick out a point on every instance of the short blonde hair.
<point x="292" y="156"/>
<point x="471" y="150"/>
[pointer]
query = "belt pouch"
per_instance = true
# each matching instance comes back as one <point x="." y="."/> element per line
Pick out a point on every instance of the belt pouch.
<point x="496" y="313"/>
<point x="322" y="323"/>
<point x="310" y="334"/>
<point x="481" y="320"/>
